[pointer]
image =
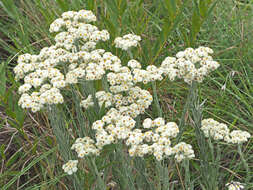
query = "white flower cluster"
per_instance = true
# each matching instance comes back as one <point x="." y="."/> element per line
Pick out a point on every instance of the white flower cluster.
<point x="237" y="137"/>
<point x="157" y="140"/>
<point x="190" y="64"/>
<point x="233" y="185"/>
<point x="70" y="167"/>
<point x="36" y="100"/>
<point x="102" y="97"/>
<point x="132" y="103"/>
<point x="71" y="19"/>
<point x="214" y="129"/>
<point x="92" y="65"/>
<point x="183" y="151"/>
<point x="152" y="73"/>
<point x="105" y="98"/>
<point x="220" y="131"/>
<point x="125" y="78"/>
<point x="87" y="102"/>
<point x="44" y="74"/>
<point x="125" y="95"/>
<point x="74" y="27"/>
<point x="127" y="41"/>
<point x="110" y="129"/>
<point x="84" y="146"/>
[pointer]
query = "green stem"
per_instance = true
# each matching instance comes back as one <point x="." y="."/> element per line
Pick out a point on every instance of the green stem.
<point x="159" y="175"/>
<point x="245" y="164"/>
<point x="156" y="100"/>
<point x="188" y="103"/>
<point x="214" y="166"/>
<point x="187" y="174"/>
<point x="130" y="54"/>
<point x="101" y="183"/>
<point x="211" y="148"/>
<point x="57" y="120"/>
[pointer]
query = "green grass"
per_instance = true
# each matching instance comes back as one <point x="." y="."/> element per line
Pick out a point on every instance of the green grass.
<point x="29" y="157"/>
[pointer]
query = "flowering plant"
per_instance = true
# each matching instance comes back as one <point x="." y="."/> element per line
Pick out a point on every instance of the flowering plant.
<point x="75" y="60"/>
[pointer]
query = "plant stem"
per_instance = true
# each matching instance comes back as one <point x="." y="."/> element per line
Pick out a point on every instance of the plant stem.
<point x="245" y="164"/>
<point x="187" y="174"/>
<point x="187" y="105"/>
<point x="130" y="54"/>
<point x="156" y="100"/>
<point x="101" y="183"/>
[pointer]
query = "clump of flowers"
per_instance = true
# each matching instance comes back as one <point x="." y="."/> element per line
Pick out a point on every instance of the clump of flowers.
<point x="233" y="185"/>
<point x="115" y="127"/>
<point x="70" y="167"/>
<point x="214" y="129"/>
<point x="237" y="137"/>
<point x="182" y="151"/>
<point x="64" y="63"/>
<point x="85" y="146"/>
<point x="157" y="141"/>
<point x="87" y="102"/>
<point x="127" y="41"/>
<point x="220" y="131"/>
<point x="190" y="64"/>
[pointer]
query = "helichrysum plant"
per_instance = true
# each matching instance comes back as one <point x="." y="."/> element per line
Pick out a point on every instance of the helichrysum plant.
<point x="75" y="59"/>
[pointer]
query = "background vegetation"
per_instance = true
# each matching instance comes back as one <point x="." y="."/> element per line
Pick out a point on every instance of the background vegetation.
<point x="29" y="153"/>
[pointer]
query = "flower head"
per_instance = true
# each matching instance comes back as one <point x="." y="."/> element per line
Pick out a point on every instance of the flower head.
<point x="70" y="167"/>
<point x="233" y="185"/>
<point x="127" y="41"/>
